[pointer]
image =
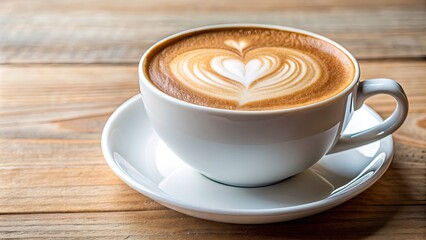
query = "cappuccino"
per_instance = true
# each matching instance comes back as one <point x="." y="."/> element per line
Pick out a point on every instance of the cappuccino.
<point x="249" y="68"/>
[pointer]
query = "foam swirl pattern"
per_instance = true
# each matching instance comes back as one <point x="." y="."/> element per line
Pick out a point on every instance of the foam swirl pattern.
<point x="246" y="76"/>
<point x="248" y="68"/>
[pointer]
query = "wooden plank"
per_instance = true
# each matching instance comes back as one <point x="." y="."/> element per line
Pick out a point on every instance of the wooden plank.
<point x="22" y="153"/>
<point x="46" y="94"/>
<point x="91" y="36"/>
<point x="79" y="98"/>
<point x="69" y="102"/>
<point x="90" y="188"/>
<point x="134" y="6"/>
<point x="376" y="222"/>
<point x="67" y="189"/>
<point x="74" y="199"/>
<point x="408" y="74"/>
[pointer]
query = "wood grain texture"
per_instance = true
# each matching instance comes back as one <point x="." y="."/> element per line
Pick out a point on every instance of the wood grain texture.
<point x="111" y="6"/>
<point x="50" y="138"/>
<point x="59" y="95"/>
<point x="92" y="188"/>
<point x="67" y="34"/>
<point x="403" y="222"/>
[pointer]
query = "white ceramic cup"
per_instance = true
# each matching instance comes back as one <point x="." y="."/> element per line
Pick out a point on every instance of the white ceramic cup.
<point x="257" y="148"/>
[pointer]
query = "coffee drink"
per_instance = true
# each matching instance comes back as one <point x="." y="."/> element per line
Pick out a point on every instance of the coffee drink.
<point x="249" y="68"/>
<point x="188" y="80"/>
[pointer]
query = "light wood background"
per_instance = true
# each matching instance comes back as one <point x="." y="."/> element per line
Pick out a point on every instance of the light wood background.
<point x="66" y="65"/>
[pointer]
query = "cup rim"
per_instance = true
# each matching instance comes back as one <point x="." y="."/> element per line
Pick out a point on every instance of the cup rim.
<point x="148" y="84"/>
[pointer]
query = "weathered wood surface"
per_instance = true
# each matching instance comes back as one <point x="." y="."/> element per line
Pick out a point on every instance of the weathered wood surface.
<point x="54" y="181"/>
<point x="111" y="32"/>
<point x="51" y="162"/>
<point x="371" y="222"/>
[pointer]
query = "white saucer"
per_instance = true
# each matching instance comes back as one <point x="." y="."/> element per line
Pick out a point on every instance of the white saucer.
<point x="136" y="154"/>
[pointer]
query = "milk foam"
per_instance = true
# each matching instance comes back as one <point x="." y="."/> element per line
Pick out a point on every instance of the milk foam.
<point x="249" y="68"/>
<point x="251" y="74"/>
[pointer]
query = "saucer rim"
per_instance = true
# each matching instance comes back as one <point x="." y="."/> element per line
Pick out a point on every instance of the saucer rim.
<point x="171" y="202"/>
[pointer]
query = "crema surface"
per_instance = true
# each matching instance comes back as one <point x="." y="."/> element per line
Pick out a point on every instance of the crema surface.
<point x="249" y="69"/>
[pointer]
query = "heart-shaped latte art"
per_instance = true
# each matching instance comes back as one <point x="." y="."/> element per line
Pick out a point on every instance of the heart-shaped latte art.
<point x="238" y="71"/>
<point x="258" y="74"/>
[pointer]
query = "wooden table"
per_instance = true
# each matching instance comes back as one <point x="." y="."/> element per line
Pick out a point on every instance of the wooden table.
<point x="66" y="65"/>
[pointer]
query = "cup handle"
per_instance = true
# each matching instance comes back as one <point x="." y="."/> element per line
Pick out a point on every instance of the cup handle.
<point x="365" y="90"/>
